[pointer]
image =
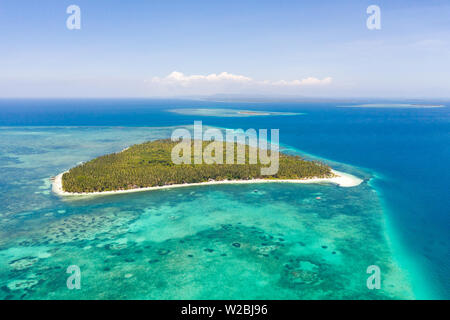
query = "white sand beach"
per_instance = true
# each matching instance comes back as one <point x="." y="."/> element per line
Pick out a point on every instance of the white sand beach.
<point x="341" y="179"/>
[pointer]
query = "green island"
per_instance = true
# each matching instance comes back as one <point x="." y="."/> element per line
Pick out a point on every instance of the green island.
<point x="149" y="165"/>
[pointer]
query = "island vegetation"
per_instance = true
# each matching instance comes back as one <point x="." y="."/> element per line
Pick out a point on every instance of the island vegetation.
<point x="149" y="165"/>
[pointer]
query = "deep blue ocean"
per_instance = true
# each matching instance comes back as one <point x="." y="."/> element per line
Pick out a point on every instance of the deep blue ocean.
<point x="406" y="150"/>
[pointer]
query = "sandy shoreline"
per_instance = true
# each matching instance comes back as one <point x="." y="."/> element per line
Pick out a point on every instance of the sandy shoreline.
<point x="341" y="179"/>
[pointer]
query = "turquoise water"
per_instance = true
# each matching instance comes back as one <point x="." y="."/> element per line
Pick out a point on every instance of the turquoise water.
<point x="403" y="153"/>
<point x="270" y="241"/>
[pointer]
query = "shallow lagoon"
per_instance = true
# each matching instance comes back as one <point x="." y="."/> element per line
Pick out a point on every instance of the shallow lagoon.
<point x="268" y="241"/>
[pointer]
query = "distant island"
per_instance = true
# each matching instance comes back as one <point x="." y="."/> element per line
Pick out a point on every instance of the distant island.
<point x="220" y="112"/>
<point x="149" y="166"/>
<point x="395" y="105"/>
<point x="254" y="113"/>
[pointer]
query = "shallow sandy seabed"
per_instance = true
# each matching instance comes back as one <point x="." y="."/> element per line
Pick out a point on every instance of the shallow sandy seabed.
<point x="252" y="241"/>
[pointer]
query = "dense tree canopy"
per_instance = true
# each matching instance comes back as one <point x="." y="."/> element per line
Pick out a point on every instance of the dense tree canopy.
<point x="149" y="164"/>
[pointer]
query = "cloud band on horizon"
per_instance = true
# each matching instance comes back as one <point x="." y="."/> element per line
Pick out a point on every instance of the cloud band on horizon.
<point x="179" y="78"/>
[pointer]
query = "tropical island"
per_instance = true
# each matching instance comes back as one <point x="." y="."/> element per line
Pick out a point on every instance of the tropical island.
<point x="149" y="166"/>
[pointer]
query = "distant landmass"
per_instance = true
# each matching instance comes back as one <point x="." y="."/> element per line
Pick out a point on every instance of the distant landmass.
<point x="395" y="105"/>
<point x="216" y="112"/>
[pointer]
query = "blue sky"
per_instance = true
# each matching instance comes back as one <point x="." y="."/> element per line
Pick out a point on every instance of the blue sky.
<point x="169" y="48"/>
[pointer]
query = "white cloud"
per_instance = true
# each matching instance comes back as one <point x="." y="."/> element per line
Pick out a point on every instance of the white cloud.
<point x="179" y="78"/>
<point x="304" y="82"/>
<point x="178" y="83"/>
